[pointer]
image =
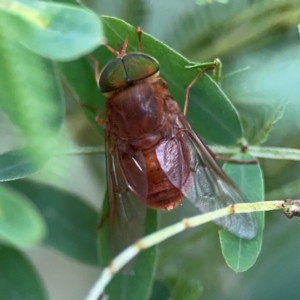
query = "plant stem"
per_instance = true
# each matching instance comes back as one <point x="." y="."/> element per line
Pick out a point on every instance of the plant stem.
<point x="290" y="207"/>
<point x="261" y="152"/>
<point x="256" y="151"/>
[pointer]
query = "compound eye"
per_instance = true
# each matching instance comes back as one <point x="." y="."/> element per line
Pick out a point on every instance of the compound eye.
<point x="113" y="76"/>
<point x="140" y="66"/>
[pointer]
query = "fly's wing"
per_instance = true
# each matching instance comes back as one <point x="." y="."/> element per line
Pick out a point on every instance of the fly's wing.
<point x="173" y="158"/>
<point x="203" y="183"/>
<point x="127" y="210"/>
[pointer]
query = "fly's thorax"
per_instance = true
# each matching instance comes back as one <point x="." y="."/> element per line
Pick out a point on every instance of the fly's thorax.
<point x="138" y="110"/>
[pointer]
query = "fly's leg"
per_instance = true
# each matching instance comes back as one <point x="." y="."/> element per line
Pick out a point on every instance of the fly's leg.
<point x="98" y="112"/>
<point x="104" y="218"/>
<point x="139" y="31"/>
<point x="207" y="67"/>
<point x="95" y="62"/>
<point x="95" y="110"/>
<point x="217" y="68"/>
<point x="96" y="67"/>
<point x="217" y="71"/>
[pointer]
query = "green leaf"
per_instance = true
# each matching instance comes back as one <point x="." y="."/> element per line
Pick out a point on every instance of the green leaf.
<point x="18" y="279"/>
<point x="20" y="222"/>
<point x="70" y="221"/>
<point x="241" y="254"/>
<point x="55" y="31"/>
<point x="33" y="102"/>
<point x="210" y="112"/>
<point x="138" y="284"/>
<point x="286" y="191"/>
<point x="258" y="116"/>
<point x="159" y="291"/>
<point x="20" y="163"/>
<point x="30" y="95"/>
<point x="182" y="287"/>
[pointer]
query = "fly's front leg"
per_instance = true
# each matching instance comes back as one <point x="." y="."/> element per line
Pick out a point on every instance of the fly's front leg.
<point x="104" y="218"/>
<point x="98" y="112"/>
<point x="96" y="68"/>
<point x="113" y="51"/>
<point x="139" y="31"/>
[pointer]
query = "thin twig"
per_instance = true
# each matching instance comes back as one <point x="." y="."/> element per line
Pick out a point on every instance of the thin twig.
<point x="290" y="207"/>
<point x="261" y="152"/>
<point x="256" y="151"/>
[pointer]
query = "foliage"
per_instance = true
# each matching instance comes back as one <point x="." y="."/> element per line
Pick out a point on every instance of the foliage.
<point x="44" y="77"/>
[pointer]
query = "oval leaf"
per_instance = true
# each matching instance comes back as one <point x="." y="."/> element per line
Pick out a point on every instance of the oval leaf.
<point x="241" y="254"/>
<point x="55" y="31"/>
<point x="138" y="284"/>
<point x="159" y="291"/>
<point x="30" y="95"/>
<point x="33" y="102"/>
<point x="210" y="112"/>
<point x="70" y="221"/>
<point x="20" y="163"/>
<point x="18" y="279"/>
<point x="20" y="222"/>
<point x="184" y="288"/>
<point x="259" y="115"/>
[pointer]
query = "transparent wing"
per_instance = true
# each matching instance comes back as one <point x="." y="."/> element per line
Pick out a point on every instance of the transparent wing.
<point x="205" y="185"/>
<point x="127" y="213"/>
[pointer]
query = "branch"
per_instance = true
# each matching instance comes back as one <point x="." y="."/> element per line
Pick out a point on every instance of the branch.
<point x="290" y="208"/>
<point x="256" y="151"/>
<point x="261" y="152"/>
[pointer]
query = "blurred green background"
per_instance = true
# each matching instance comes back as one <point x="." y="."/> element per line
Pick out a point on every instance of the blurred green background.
<point x="261" y="40"/>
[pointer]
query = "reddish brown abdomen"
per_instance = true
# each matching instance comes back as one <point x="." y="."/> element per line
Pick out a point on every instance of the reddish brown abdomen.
<point x="162" y="194"/>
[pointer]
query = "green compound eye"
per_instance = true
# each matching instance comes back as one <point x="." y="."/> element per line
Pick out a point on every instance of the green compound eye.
<point x="113" y="76"/>
<point x="140" y="66"/>
<point x="132" y="67"/>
